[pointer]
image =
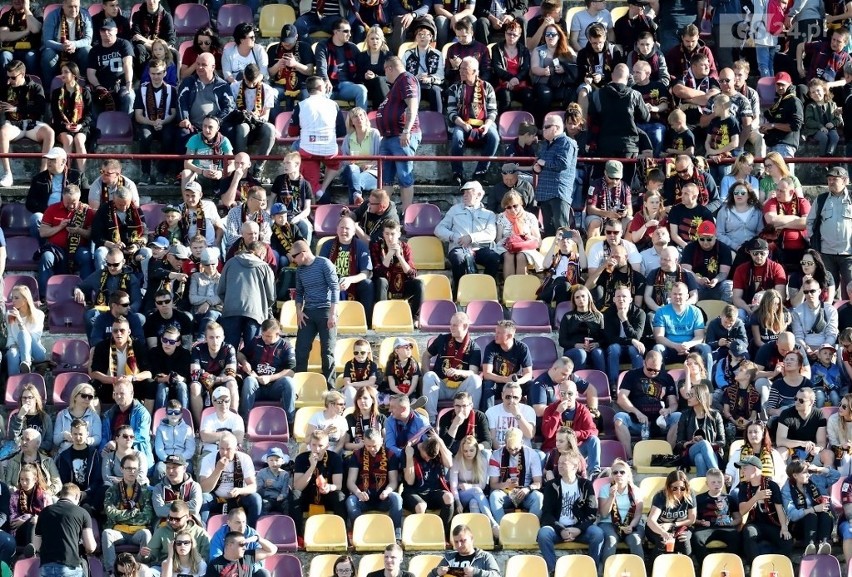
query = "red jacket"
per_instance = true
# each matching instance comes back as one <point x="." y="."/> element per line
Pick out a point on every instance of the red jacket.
<point x="583" y="425"/>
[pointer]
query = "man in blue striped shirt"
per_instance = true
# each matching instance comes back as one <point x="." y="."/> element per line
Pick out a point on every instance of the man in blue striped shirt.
<point x="556" y="167"/>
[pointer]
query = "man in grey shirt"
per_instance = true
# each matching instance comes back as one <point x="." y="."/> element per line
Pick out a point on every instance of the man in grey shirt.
<point x="317" y="294"/>
<point x="829" y="227"/>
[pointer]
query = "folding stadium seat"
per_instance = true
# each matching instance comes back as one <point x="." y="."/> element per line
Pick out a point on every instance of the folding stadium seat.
<point x="372" y="532"/>
<point x="526" y="565"/>
<point x="15" y="219"/>
<point x="63" y="386"/>
<point x="421" y="218"/>
<point x="287" y="317"/>
<point x="421" y="565"/>
<point x="66" y="318"/>
<point x="27" y="567"/>
<point x="115" y="128"/>
<point x="436" y="287"/>
<point x="642" y="452"/>
<point x="510" y="121"/>
<point x="10" y="281"/>
<point x="232" y="14"/>
<point x="282" y="564"/>
<point x="574" y="565"/>
<point x="712" y="308"/>
<point x="427" y="252"/>
<point x="622" y="564"/>
<point x="531" y="316"/>
<point x="598" y="380"/>
<point x="674" y="564"/>
<point x="326" y="218"/>
<point x="433" y="127"/>
<point x="484" y="315"/>
<point x="370" y="562"/>
<point x="60" y="288"/>
<point x="698" y="485"/>
<point x="15" y="385"/>
<point x="543" y="351"/>
<point x="352" y="320"/>
<point x="476" y="287"/>
<point x="300" y="422"/>
<point x="152" y="211"/>
<point x="325" y="533"/>
<point x="405" y="47"/>
<point x="479" y="525"/>
<point x="435" y="315"/>
<point x="610" y="451"/>
<point x="70" y="355"/>
<point x="19" y="253"/>
<point x="310" y="388"/>
<point x="715" y="563"/>
<point x="763" y="565"/>
<point x="189" y="18"/>
<point x="215" y="522"/>
<point x="273" y="17"/>
<point x="392" y="316"/>
<point x="423" y="532"/>
<point x="282" y="127"/>
<point x="267" y="423"/>
<point x="648" y="487"/>
<point x="519" y="531"/>
<point x="520" y="287"/>
<point x="322" y="565"/>
<point x="280" y="530"/>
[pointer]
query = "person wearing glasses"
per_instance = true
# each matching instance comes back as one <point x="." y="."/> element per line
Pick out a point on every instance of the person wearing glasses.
<point x="740" y="218"/>
<point x="814" y="320"/>
<point x="176" y="486"/>
<point x="237" y="559"/>
<point x="601" y="253"/>
<point x="174" y="437"/>
<point x="463" y="421"/>
<point x="620" y="505"/>
<point x="331" y="420"/>
<point x="511" y="414"/>
<point x="757" y="274"/>
<point x="344" y="566"/>
<point x="243" y="52"/>
<point x="811" y="266"/>
<point x="113" y="455"/>
<point x="114" y="292"/>
<point x="167" y="315"/>
<point x="128" y="509"/>
<point x="224" y="421"/>
<point x="645" y="396"/>
<point x="709" y="260"/>
<point x="673" y="513"/>
<point x="80" y="406"/>
<point x="336" y="64"/>
<point x="184" y="558"/>
<point x="567" y="411"/>
<point x="802" y="428"/>
<point x="122" y="358"/>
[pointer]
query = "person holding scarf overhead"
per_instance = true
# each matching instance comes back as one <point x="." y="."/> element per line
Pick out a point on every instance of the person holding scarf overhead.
<point x="807" y="502"/>
<point x="122" y="357"/>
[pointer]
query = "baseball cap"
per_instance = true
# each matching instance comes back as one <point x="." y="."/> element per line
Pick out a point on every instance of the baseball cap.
<point x="829" y="346"/>
<point x="160" y="242"/>
<point x="170" y="208"/>
<point x="55" y="152"/>
<point x="707" y="227"/>
<point x="401" y="342"/>
<point x="289" y="34"/>
<point x="758" y="244"/>
<point x="614" y="169"/>
<point x="208" y="257"/>
<point x="474" y="184"/>
<point x="278" y="208"/>
<point x="738" y="348"/>
<point x="750" y="460"/>
<point x="783" y="77"/>
<point x="510" y="168"/>
<point x="838" y="171"/>
<point x="180" y="251"/>
<point x="175" y="460"/>
<point x="220" y="392"/>
<point x="273" y="452"/>
<point x="194" y="186"/>
<point x="108" y="23"/>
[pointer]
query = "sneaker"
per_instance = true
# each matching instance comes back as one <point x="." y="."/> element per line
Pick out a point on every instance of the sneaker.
<point x="24" y="367"/>
<point x="810" y="549"/>
<point x="824" y="548"/>
<point x="419" y="403"/>
<point x="480" y="176"/>
<point x="6" y="181"/>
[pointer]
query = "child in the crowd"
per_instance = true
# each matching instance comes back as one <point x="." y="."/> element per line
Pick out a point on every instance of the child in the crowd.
<point x="203" y="292"/>
<point x="718" y="517"/>
<point x="295" y="193"/>
<point x="723" y="136"/>
<point x="402" y="373"/>
<point x="273" y="483"/>
<point x="173" y="437"/>
<point x="170" y="227"/>
<point x="26" y="502"/>
<point x="679" y="140"/>
<point x="825" y="373"/>
<point x="359" y="372"/>
<point x="822" y="118"/>
<point x="160" y="49"/>
<point x="725" y="329"/>
<point x="527" y="143"/>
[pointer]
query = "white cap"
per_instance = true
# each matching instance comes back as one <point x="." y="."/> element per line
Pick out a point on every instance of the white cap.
<point x="56" y="152"/>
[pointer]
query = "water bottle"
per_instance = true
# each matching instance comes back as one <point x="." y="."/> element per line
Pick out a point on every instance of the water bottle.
<point x="646" y="433"/>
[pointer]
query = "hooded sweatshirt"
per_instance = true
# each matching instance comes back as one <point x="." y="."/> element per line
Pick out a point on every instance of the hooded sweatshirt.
<point x="174" y="440"/>
<point x="247" y="288"/>
<point x="624" y="106"/>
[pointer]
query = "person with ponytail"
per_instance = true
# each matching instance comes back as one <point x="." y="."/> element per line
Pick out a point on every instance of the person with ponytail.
<point x="807" y="502"/>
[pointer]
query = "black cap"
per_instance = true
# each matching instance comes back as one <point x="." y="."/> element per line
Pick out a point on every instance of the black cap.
<point x="109" y="23"/>
<point x="289" y="34"/>
<point x="175" y="460"/>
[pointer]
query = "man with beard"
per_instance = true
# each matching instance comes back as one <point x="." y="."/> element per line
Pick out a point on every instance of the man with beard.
<point x="373" y="480"/>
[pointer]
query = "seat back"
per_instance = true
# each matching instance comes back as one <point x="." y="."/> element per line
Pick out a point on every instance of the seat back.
<point x="152" y="211"/>
<point x="543" y="351"/>
<point x="510" y="121"/>
<point x="644" y="450"/>
<point x="524" y="565"/>
<point x="115" y="128"/>
<point x="189" y="18"/>
<point x="259" y="449"/>
<point x="27" y="567"/>
<point x="435" y="315"/>
<point x="484" y="315"/>
<point x="763" y="565"/>
<point x="19" y="253"/>
<point x="70" y="354"/>
<point x="232" y="14"/>
<point x="436" y="287"/>
<point x="715" y="563"/>
<point x="421" y="218"/>
<point x="160" y="415"/>
<point x="280" y="530"/>
<point x="15" y="219"/>
<point x="574" y="565"/>
<point x="531" y="316"/>
<point x="674" y="564"/>
<point x="60" y="288"/>
<point x="479" y="525"/>
<point x="610" y="451"/>
<point x="476" y="287"/>
<point x="598" y="380"/>
<point x="309" y="388"/>
<point x="273" y="17"/>
<point x="300" y="422"/>
<point x="648" y="487"/>
<point x="282" y="563"/>
<point x="372" y="532"/>
<point x="15" y="385"/>
<point x="282" y="127"/>
<point x="63" y="386"/>
<point x="216" y="522"/>
<point x="518" y="287"/>
<point x="393" y="316"/>
<point x="423" y="532"/>
<point x="269" y="423"/>
<point x="369" y="562"/>
<point x="711" y="308"/>
<point x="66" y="317"/>
<point x="13" y="280"/>
<point x="766" y="90"/>
<point x="351" y="320"/>
<point x="519" y="531"/>
<point x="433" y="127"/>
<point x="698" y="485"/>
<point x="326" y="218"/>
<point x="624" y="564"/>
<point x="325" y="533"/>
<point x="421" y="565"/>
<point x="427" y="252"/>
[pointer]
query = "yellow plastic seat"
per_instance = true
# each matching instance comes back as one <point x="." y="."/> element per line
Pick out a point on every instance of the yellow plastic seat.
<point x="427" y="252"/>
<point x="423" y="532"/>
<point x="674" y="564"/>
<point x="300" y="422"/>
<point x="642" y="452"/>
<point x="421" y="565"/>
<point x="351" y="319"/>
<point x="314" y="359"/>
<point x="546" y="243"/>
<point x="712" y="308"/>
<point x="287" y="318"/>
<point x="322" y="565"/>
<point x="698" y="485"/>
<point x="386" y="348"/>
<point x="648" y="487"/>
<point x="569" y="14"/>
<point x="474" y="287"/>
<point x="320" y="242"/>
<point x="273" y="17"/>
<point x="369" y="562"/>
<point x="325" y="533"/>
<point x="575" y="566"/>
<point x="763" y="565"/>
<point x="343" y="352"/>
<point x="624" y="564"/>
<point x="309" y="388"/>
<point x="520" y="287"/>
<point x="479" y="525"/>
<point x="592" y="241"/>
<point x="526" y="566"/>
<point x="436" y="287"/>
<point x="618" y="12"/>
<point x="715" y="563"/>
<point x="393" y="316"/>
<point x="372" y="532"/>
<point x="405" y="47"/>
<point x="519" y="531"/>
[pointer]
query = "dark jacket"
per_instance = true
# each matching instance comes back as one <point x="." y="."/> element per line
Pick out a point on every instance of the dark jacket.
<point x="40" y="189"/>
<point x="634" y="328"/>
<point x="167" y="25"/>
<point x="585" y="508"/>
<point x="786" y="111"/>
<point x="499" y="73"/>
<point x="85" y="123"/>
<point x="515" y="8"/>
<point x="224" y="97"/>
<point x="716" y="331"/>
<point x="617" y="108"/>
<point x="372" y="224"/>
<point x="93" y="478"/>
<point x="483" y="564"/>
<point x="480" y="430"/>
<point x="573" y="330"/>
<point x="712" y="425"/>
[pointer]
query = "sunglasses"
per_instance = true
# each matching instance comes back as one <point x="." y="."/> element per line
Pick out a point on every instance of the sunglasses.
<point x="807" y="263"/>
<point x="844" y="406"/>
<point x="652" y="371"/>
<point x="550" y="34"/>
<point x="512" y="398"/>
<point x="114" y="264"/>
<point x="119" y="331"/>
<point x="123" y="304"/>
<point x="801" y="401"/>
<point x="205" y="42"/>
<point x="705" y="239"/>
<point x="609" y="232"/>
<point x="182" y="543"/>
<point x="174" y="412"/>
<point x="546" y="126"/>
<point x="810" y="291"/>
<point x="293" y="256"/>
<point x="166" y="302"/>
<point x="740" y="192"/>
<point x="126" y="436"/>
<point x="222" y="401"/>
<point x="359" y="353"/>
<point x="87" y="396"/>
<point x="168" y="341"/>
<point x="679" y="488"/>
<point x="619" y="473"/>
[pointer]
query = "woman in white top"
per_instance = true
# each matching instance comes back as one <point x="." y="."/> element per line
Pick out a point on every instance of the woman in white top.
<point x="839" y="431"/>
<point x="620" y="506"/>
<point x="245" y="51"/>
<point x="183" y="558"/>
<point x="25" y="324"/>
<point x="80" y="407"/>
<point x="331" y="420"/>
<point x="468" y="477"/>
<point x="514" y="221"/>
<point x="741" y="217"/>
<point x="758" y="443"/>
<point x="361" y="140"/>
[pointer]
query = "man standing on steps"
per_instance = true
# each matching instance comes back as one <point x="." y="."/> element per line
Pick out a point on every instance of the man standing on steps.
<point x="556" y="168"/>
<point x="59" y="531"/>
<point x="830" y="228"/>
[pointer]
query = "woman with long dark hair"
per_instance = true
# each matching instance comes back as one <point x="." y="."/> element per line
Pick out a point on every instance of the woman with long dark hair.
<point x="672" y="514"/>
<point x="756" y="442"/>
<point x="700" y="430"/>
<point x="205" y="40"/>
<point x="510" y="69"/>
<point x="808" y="504"/>
<point x="550" y="73"/>
<point x="812" y="267"/>
<point x="741" y="217"/>
<point x="72" y="113"/>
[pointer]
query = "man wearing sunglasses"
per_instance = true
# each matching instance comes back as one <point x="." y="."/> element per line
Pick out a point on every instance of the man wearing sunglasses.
<point x="710" y="260"/>
<point x="687" y="173"/>
<point x="814" y="321"/>
<point x="100" y="288"/>
<point x="166" y="315"/>
<point x="170" y="361"/>
<point x="511" y="414"/>
<point x="177" y="518"/>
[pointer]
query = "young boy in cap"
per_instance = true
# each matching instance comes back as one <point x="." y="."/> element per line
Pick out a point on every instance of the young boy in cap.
<point x="273" y="483"/>
<point x="170" y="226"/>
<point x="825" y="372"/>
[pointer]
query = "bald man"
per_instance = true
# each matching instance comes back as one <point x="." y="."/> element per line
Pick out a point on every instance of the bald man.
<point x="201" y="94"/>
<point x="556" y="167"/>
<point x="618" y="108"/>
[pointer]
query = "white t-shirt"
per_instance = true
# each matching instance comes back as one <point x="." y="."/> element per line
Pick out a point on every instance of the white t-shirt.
<point x="187" y="572"/>
<point x="318" y="125"/>
<point x="208" y="462"/>
<point x="582" y="20"/>
<point x="95" y="192"/>
<point x="320" y="421"/>
<point x="532" y="465"/>
<point x="570" y="495"/>
<point x="501" y="420"/>
<point x="211" y="424"/>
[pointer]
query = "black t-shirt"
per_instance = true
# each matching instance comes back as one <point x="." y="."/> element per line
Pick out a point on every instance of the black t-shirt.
<point x="61" y="526"/>
<point x="679" y="140"/>
<point x="438" y="349"/>
<point x="221" y="567"/>
<point x="108" y="62"/>
<point x="609" y="281"/>
<point x="672" y="514"/>
<point x="760" y="513"/>
<point x="155" y="324"/>
<point x="427" y="474"/>
<point x="377" y="422"/>
<point x="542" y="391"/>
<point x="715" y="508"/>
<point x="332" y="467"/>
<point x="799" y="429"/>
<point x="687" y="220"/>
<point x="178" y="362"/>
<point x="648" y="394"/>
<point x="505" y="363"/>
<point x="706" y="262"/>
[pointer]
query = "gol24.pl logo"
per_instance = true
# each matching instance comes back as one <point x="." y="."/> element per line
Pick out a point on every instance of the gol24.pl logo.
<point x="735" y="31"/>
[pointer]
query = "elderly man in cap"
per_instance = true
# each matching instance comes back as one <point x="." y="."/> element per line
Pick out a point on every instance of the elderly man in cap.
<point x="291" y="62"/>
<point x="556" y="167"/>
<point x="65" y="230"/>
<point x="47" y="186"/>
<point x="828" y="228"/>
<point x="470" y="229"/>
<point x="511" y="179"/>
<point x="784" y="119"/>
<point x="609" y="198"/>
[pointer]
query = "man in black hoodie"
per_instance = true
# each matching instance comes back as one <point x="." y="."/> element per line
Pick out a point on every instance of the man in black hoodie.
<point x="618" y="135"/>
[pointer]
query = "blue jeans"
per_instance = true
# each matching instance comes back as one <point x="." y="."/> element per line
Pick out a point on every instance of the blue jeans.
<point x="591" y="451"/>
<point x="357" y="181"/>
<point x="476" y="502"/>
<point x="162" y="397"/>
<point x="28" y="57"/>
<point x="392" y="506"/>
<point x="50" y="61"/>
<point x="548" y="538"/>
<point x="52" y="263"/>
<point x="29" y="349"/>
<point x="281" y="390"/>
<point x="251" y="503"/>
<point x="614" y="353"/>
<point x="316" y="323"/>
<point x="402" y="170"/>
<point x="582" y="359"/>
<point x="350" y="91"/>
<point x="656" y="132"/>
<point x="703" y="457"/>
<point x="309" y="23"/>
<point x="498" y="500"/>
<point x="203" y="320"/>
<point x="60" y="570"/>
<point x="238" y="327"/>
<point x="486" y="146"/>
<point x="635" y="428"/>
<point x="766" y="60"/>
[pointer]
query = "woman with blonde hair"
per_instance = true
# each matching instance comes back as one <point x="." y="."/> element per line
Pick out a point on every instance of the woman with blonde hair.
<point x="518" y="236"/>
<point x="81" y="406"/>
<point x="839" y="430"/>
<point x="370" y="66"/>
<point x="770" y="319"/>
<point x="700" y="430"/>
<point x="776" y="169"/>
<point x="741" y="170"/>
<point x="183" y="559"/>
<point x="673" y="512"/>
<point x="468" y="478"/>
<point x="620" y="506"/>
<point x="25" y="324"/>
<point x="31" y="415"/>
<point x="581" y="332"/>
<point x="361" y="140"/>
<point x="646" y="221"/>
<point x="331" y="420"/>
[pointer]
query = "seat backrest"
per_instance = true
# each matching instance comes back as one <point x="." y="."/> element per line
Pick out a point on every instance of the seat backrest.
<point x="266" y="420"/>
<point x="15" y="219"/>
<point x="510" y="121"/>
<point x="300" y="422"/>
<point x="763" y="565"/>
<point x="574" y="565"/>
<point x="60" y="288"/>
<point x="598" y="380"/>
<point x="436" y="314"/>
<point x="610" y="451"/>
<point x="15" y="385"/>
<point x="70" y="352"/>
<point x="479" y="525"/>
<point x="484" y="314"/>
<point x="322" y="565"/>
<point x="282" y="563"/>
<point x="190" y="17"/>
<point x="279" y="529"/>
<point x="421" y="565"/>
<point x="232" y="14"/>
<point x="392" y="315"/>
<point x="259" y="449"/>
<point x="369" y="562"/>
<point x="421" y="218"/>
<point x="518" y="529"/>
<point x="518" y="287"/>
<point x="715" y="563"/>
<point x="674" y="564"/>
<point x="12" y="280"/>
<point x="543" y="351"/>
<point x="433" y="126"/>
<point x="63" y="386"/>
<point x="624" y="563"/>
<point x="526" y="565"/>
<point x="427" y="252"/>
<point x="326" y="219"/>
<point x="476" y="287"/>
<point x="351" y="316"/>
<point x="325" y="531"/>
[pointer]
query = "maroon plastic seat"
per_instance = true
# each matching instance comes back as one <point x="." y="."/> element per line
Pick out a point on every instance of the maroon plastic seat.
<point x="281" y="531"/>
<point x="543" y="351"/>
<point x="421" y="218"/>
<point x="189" y="18"/>
<point x="95" y="9"/>
<point x="598" y="380"/>
<point x="16" y="383"/>
<point x="267" y="423"/>
<point x="27" y="567"/>
<point x="15" y="219"/>
<point x="260" y="448"/>
<point x="282" y="128"/>
<point x="19" y="253"/>
<point x="63" y="386"/>
<point x="96" y="568"/>
<point x="561" y="310"/>
<point x="282" y="564"/>
<point x="12" y="280"/>
<point x="509" y="123"/>
<point x="484" y="315"/>
<point x="607" y="427"/>
<point x="70" y="355"/>
<point x="66" y="318"/>
<point x="326" y="218"/>
<point x="483" y="341"/>
<point x="531" y="317"/>
<point x="433" y="127"/>
<point x="60" y="288"/>
<point x="232" y="14"/>
<point x="435" y="315"/>
<point x="819" y="566"/>
<point x="114" y="128"/>
<point x="153" y="212"/>
<point x="610" y="451"/>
